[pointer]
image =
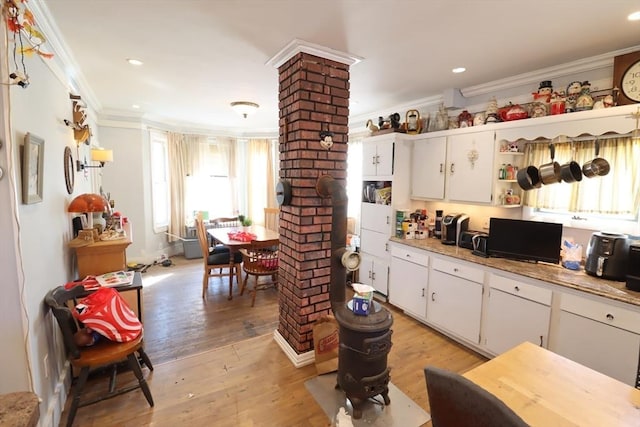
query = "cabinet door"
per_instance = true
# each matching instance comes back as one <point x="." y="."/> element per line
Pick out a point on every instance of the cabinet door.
<point x="428" y="161"/>
<point x="408" y="286"/>
<point x="377" y="217"/>
<point x="454" y="304"/>
<point x="607" y="349"/>
<point x="384" y="158"/>
<point x="374" y="272"/>
<point x="511" y="320"/>
<point x="471" y="180"/>
<point x="374" y="243"/>
<point x="369" y="161"/>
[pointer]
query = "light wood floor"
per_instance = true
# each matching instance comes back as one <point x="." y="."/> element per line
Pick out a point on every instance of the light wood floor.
<point x="216" y="363"/>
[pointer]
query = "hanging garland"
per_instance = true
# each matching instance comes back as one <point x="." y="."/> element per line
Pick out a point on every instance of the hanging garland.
<point x="21" y="23"/>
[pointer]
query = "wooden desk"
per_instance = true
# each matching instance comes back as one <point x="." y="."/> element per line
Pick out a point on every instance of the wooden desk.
<point x="103" y="256"/>
<point x="546" y="389"/>
<point x="221" y="235"/>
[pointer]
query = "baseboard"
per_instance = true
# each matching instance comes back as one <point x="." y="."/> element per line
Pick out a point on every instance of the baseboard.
<point x="298" y="360"/>
<point x="56" y="404"/>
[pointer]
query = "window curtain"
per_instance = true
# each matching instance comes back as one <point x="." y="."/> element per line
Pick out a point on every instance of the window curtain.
<point x="185" y="154"/>
<point x="616" y="193"/>
<point x="260" y="191"/>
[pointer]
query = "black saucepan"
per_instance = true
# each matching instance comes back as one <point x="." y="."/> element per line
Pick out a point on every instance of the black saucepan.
<point x="571" y="171"/>
<point x="528" y="178"/>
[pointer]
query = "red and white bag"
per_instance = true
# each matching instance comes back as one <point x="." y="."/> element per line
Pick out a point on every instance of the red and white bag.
<point x="107" y="313"/>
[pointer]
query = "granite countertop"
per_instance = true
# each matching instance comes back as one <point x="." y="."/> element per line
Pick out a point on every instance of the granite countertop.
<point x="551" y="273"/>
<point x="19" y="409"/>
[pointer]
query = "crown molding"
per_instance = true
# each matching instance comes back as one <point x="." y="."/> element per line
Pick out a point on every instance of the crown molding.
<point x="63" y="64"/>
<point x="296" y="46"/>
<point x="550" y="73"/>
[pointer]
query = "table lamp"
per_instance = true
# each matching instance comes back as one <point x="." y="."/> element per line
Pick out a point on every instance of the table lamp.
<point x="88" y="203"/>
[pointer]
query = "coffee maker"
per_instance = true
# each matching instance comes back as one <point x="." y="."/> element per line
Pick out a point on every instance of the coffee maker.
<point x="452" y="225"/>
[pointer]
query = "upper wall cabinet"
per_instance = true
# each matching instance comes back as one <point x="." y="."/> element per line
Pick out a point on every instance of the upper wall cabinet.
<point x="377" y="157"/>
<point x="455" y="167"/>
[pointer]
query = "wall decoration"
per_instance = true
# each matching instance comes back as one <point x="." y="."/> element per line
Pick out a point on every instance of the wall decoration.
<point x="69" y="175"/>
<point x="626" y="76"/>
<point x="32" y="169"/>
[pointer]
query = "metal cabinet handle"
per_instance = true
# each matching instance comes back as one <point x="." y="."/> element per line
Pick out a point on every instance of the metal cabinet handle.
<point x="433" y="296"/>
<point x="377" y="160"/>
<point x="373" y="160"/>
<point x="516" y="288"/>
<point x="610" y="316"/>
<point x="441" y="167"/>
<point x="408" y="255"/>
<point x="455" y="269"/>
<point x="369" y="274"/>
<point x="388" y="220"/>
<point x="373" y="276"/>
<point x="422" y="292"/>
<point x="386" y="247"/>
<point x="452" y="168"/>
<point x="540" y="340"/>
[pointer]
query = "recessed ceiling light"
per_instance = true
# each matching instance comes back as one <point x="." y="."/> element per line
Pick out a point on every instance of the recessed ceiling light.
<point x="635" y="16"/>
<point x="459" y="70"/>
<point x="136" y="106"/>
<point x="133" y="61"/>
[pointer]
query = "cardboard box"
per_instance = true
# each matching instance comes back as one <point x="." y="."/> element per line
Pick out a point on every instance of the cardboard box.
<point x="191" y="248"/>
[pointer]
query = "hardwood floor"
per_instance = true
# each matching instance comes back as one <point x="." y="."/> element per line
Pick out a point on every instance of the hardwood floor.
<point x="216" y="363"/>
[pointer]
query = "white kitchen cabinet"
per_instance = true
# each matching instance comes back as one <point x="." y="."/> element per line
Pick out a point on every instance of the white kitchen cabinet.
<point x="470" y="167"/>
<point x="377" y="217"/>
<point x="428" y="163"/>
<point x="454" y="300"/>
<point x="457" y="167"/>
<point x="515" y="312"/>
<point x="408" y="279"/>
<point x="374" y="271"/>
<point x="602" y="336"/>
<point x="377" y="157"/>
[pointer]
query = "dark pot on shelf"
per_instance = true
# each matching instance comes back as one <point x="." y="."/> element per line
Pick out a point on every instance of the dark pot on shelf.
<point x="528" y="178"/>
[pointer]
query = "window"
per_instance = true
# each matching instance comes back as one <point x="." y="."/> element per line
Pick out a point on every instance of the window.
<point x="609" y="202"/>
<point x="159" y="180"/>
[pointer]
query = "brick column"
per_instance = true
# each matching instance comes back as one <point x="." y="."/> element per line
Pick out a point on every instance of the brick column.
<point x="314" y="97"/>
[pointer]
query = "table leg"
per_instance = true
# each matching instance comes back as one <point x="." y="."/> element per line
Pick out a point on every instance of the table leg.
<point x="232" y="255"/>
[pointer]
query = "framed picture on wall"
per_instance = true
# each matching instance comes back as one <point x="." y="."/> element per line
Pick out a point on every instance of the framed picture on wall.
<point x="32" y="169"/>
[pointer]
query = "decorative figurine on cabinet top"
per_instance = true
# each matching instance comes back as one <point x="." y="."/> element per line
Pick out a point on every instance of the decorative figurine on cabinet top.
<point x="492" y="111"/>
<point x="544" y="92"/>
<point x="465" y="119"/>
<point x="413" y="122"/>
<point x="584" y="101"/>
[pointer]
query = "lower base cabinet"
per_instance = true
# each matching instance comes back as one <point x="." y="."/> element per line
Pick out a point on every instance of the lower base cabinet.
<point x="408" y="279"/>
<point x="374" y="272"/>
<point x="600" y="336"/>
<point x="516" y="312"/>
<point x="454" y="302"/>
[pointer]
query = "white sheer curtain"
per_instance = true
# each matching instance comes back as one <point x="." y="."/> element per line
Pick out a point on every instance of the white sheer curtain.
<point x="616" y="193"/>
<point x="259" y="179"/>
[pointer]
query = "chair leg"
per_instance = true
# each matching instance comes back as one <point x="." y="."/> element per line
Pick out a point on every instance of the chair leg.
<point x="254" y="291"/>
<point x="112" y="378"/>
<point x="205" y="283"/>
<point x="135" y="367"/>
<point x="145" y="358"/>
<point x="82" y="380"/>
<point x="244" y="284"/>
<point x="239" y="276"/>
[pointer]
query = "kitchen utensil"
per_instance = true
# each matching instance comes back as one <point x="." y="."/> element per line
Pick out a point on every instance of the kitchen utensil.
<point x="571" y="171"/>
<point x="597" y="166"/>
<point x="550" y="172"/>
<point x="528" y="178"/>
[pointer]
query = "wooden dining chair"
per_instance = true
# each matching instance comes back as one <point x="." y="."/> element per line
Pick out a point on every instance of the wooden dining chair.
<point x="260" y="259"/>
<point x="216" y="260"/>
<point x="272" y="218"/>
<point x="457" y="401"/>
<point x="104" y="353"/>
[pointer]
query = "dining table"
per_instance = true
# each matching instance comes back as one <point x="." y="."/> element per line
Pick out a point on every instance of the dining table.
<point x="547" y="389"/>
<point x="223" y="236"/>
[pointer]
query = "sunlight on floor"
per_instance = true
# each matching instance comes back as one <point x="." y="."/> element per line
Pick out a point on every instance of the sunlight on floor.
<point x="152" y="280"/>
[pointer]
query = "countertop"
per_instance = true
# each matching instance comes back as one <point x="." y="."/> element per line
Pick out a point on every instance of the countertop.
<point x="551" y="273"/>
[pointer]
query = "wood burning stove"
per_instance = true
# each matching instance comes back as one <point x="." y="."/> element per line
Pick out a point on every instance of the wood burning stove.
<point x="365" y="341"/>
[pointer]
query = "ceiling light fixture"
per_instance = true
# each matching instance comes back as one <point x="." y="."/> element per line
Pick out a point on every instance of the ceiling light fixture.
<point x="635" y="16"/>
<point x="134" y="61"/>
<point x="244" y="108"/>
<point x="459" y="70"/>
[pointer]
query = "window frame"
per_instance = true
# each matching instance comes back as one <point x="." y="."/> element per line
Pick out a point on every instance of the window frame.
<point x="159" y="140"/>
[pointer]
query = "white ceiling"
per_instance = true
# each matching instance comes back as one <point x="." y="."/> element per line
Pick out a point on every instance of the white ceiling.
<point x="200" y="55"/>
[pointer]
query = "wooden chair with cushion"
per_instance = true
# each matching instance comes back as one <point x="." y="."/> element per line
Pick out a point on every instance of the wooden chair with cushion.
<point x="260" y="259"/>
<point x="456" y="401"/>
<point x="216" y="260"/>
<point x="271" y="218"/>
<point x="104" y="353"/>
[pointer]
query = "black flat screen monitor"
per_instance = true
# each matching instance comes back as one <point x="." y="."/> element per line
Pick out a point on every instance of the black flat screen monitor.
<point x="525" y="240"/>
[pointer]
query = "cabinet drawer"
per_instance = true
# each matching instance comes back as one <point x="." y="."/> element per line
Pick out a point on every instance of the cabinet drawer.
<point x="523" y="290"/>
<point x="459" y="270"/>
<point x="601" y="312"/>
<point x="413" y="255"/>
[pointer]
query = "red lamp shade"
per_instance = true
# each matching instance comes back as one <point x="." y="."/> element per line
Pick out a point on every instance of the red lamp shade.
<point x="88" y="202"/>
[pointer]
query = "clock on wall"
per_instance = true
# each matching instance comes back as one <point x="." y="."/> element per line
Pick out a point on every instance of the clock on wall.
<point x="626" y="76"/>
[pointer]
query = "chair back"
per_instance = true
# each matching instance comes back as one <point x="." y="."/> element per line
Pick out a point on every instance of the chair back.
<point x="57" y="299"/>
<point x="201" y="232"/>
<point x="456" y="401"/>
<point x="225" y="222"/>
<point x="260" y="258"/>
<point x="271" y="218"/>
